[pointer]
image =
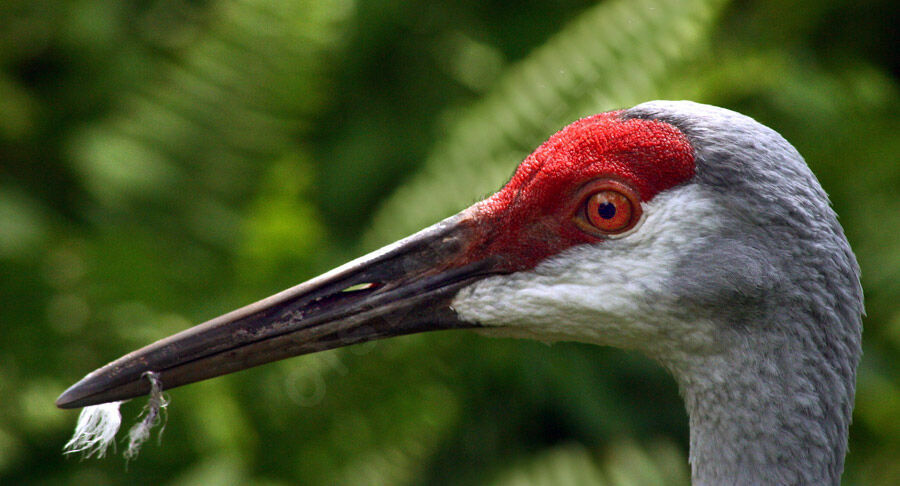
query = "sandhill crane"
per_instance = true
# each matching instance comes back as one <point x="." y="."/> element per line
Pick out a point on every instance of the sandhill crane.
<point x="688" y="232"/>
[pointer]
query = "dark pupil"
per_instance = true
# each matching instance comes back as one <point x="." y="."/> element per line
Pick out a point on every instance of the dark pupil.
<point x="606" y="210"/>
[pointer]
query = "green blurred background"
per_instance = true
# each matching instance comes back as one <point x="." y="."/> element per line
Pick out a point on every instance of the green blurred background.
<point x="164" y="161"/>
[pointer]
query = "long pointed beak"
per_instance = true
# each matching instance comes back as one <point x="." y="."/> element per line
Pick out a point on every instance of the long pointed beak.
<point x="404" y="288"/>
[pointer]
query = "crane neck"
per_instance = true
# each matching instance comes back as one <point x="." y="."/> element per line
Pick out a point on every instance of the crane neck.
<point x="767" y="410"/>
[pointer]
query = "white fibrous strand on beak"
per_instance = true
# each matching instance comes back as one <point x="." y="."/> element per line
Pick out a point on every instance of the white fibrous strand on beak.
<point x="154" y="414"/>
<point x="95" y="431"/>
<point x="98" y="425"/>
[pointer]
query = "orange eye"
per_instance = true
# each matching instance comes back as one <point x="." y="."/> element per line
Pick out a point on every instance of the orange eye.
<point x="610" y="208"/>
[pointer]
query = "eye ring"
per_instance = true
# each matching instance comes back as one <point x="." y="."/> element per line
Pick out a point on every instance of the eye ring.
<point x="607" y="208"/>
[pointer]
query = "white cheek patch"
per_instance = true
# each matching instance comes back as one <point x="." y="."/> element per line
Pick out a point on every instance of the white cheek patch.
<point x="612" y="292"/>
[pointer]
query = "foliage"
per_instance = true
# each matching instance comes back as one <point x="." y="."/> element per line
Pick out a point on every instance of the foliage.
<point x="162" y="162"/>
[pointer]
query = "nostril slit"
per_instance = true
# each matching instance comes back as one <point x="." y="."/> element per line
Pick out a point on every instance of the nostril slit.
<point x="347" y="294"/>
<point x="361" y="286"/>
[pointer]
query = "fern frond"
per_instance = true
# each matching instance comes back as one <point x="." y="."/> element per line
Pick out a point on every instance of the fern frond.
<point x="616" y="54"/>
<point x="192" y="135"/>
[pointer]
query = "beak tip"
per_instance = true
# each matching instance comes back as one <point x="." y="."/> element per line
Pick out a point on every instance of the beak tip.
<point x="76" y="396"/>
<point x="67" y="400"/>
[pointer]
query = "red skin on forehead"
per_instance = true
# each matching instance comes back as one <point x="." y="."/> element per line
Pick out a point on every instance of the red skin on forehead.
<point x="531" y="217"/>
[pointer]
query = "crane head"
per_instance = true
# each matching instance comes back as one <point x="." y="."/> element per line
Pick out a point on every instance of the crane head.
<point x="645" y="228"/>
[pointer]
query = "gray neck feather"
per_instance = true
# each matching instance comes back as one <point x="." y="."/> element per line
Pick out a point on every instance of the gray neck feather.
<point x="771" y="402"/>
<point x="760" y="414"/>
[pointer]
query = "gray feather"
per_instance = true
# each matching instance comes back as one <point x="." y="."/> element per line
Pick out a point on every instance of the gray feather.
<point x="782" y="285"/>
